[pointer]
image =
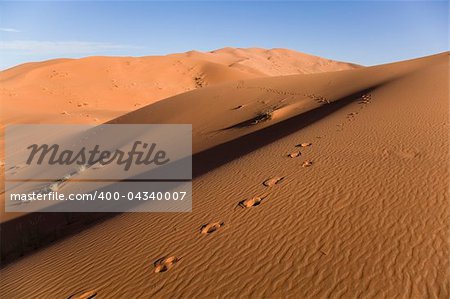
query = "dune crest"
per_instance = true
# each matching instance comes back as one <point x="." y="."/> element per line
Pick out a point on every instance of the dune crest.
<point x="97" y="89"/>
<point x="361" y="211"/>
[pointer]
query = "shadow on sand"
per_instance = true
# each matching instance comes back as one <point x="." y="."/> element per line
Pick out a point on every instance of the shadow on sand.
<point x="29" y="233"/>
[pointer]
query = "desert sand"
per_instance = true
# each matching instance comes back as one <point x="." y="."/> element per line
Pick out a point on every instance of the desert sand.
<point x="94" y="90"/>
<point x="331" y="184"/>
<point x="97" y="89"/>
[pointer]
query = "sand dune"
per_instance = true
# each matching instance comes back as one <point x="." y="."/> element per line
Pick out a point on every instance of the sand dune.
<point x="97" y="89"/>
<point x="360" y="210"/>
<point x="93" y="90"/>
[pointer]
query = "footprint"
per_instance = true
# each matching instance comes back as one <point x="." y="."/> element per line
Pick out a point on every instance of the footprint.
<point x="325" y="249"/>
<point x="365" y="99"/>
<point x="164" y="264"/>
<point x="252" y="202"/>
<point x="273" y="181"/>
<point x="294" y="154"/>
<point x="307" y="163"/>
<point x="84" y="295"/>
<point x="238" y="107"/>
<point x="260" y="118"/>
<point x="318" y="99"/>
<point x="211" y="227"/>
<point x="305" y="144"/>
<point x="15" y="169"/>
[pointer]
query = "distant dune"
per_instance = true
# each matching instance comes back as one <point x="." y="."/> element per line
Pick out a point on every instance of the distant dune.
<point x="305" y="186"/>
<point x="97" y="89"/>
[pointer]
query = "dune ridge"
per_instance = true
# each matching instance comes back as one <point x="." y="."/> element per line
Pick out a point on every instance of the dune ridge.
<point x="368" y="217"/>
<point x="97" y="89"/>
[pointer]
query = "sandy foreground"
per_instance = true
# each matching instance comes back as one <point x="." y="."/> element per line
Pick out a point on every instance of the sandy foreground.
<point x="305" y="186"/>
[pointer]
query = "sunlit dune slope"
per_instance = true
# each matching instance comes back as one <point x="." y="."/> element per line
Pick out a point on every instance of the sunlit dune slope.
<point x="97" y="89"/>
<point x="307" y="186"/>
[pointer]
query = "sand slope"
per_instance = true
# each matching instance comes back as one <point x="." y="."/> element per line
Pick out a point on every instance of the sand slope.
<point x="97" y="89"/>
<point x="93" y="90"/>
<point x="359" y="210"/>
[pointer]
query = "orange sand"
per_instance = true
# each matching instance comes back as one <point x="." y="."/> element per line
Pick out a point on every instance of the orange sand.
<point x="361" y="210"/>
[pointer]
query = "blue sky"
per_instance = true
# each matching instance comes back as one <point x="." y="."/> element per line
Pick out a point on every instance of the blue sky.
<point x="362" y="32"/>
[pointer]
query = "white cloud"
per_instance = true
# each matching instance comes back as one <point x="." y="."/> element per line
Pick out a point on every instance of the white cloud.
<point x="8" y="29"/>
<point x="63" y="47"/>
